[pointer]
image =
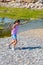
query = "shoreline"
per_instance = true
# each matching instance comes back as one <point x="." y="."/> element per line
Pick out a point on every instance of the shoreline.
<point x="32" y="37"/>
<point x="30" y="32"/>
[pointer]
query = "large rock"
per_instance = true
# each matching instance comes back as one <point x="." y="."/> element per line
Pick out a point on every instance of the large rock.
<point x="41" y="1"/>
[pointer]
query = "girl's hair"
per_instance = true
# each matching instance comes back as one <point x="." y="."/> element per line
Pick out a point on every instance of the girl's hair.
<point x="17" y="21"/>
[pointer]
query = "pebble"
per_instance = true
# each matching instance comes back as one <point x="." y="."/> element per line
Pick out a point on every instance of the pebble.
<point x="37" y="5"/>
<point x="27" y="50"/>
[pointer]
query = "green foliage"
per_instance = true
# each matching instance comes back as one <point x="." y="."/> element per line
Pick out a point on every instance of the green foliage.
<point x="20" y="13"/>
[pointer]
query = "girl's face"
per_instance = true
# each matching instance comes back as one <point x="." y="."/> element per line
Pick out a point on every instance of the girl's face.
<point x="17" y="23"/>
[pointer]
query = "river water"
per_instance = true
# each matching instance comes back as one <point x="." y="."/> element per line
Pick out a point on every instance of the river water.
<point x="6" y="23"/>
<point x="34" y="24"/>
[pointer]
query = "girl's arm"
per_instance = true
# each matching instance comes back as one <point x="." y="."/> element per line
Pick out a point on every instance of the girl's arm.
<point x="13" y="26"/>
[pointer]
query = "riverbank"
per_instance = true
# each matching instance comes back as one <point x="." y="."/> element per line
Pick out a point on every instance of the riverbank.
<point x="21" y="13"/>
<point x="30" y="48"/>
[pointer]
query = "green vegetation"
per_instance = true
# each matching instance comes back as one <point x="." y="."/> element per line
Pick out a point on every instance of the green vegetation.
<point x="20" y="13"/>
<point x="5" y="33"/>
<point x="1" y="27"/>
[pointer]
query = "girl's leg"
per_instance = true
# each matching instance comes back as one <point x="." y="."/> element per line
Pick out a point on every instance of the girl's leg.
<point x="15" y="42"/>
<point x="11" y="42"/>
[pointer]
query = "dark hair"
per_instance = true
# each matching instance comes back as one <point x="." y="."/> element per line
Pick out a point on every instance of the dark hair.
<point x="17" y="21"/>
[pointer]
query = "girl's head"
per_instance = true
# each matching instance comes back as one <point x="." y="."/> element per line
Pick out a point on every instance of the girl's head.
<point x="17" y="22"/>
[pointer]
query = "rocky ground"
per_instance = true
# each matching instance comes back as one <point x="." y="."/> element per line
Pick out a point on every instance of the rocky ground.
<point x="37" y="5"/>
<point x="28" y="51"/>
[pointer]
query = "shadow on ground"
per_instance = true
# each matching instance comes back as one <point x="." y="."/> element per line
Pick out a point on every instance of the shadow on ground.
<point x="30" y="48"/>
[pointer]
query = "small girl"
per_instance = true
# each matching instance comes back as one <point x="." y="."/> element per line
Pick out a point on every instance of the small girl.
<point x="14" y="33"/>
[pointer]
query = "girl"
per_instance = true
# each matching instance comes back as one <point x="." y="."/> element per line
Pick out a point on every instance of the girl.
<point x="14" y="33"/>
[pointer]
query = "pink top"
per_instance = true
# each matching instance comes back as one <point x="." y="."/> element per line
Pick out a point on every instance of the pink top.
<point x="14" y="30"/>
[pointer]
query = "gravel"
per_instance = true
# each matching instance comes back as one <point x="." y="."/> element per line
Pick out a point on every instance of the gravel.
<point x="28" y="51"/>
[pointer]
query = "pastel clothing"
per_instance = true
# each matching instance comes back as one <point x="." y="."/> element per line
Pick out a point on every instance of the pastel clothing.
<point x="14" y="32"/>
<point x="14" y="37"/>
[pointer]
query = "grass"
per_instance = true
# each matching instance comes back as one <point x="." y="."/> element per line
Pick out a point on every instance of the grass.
<point x="1" y="27"/>
<point x="20" y="13"/>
